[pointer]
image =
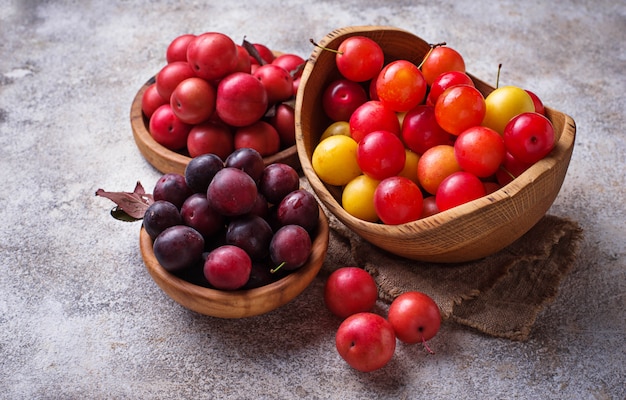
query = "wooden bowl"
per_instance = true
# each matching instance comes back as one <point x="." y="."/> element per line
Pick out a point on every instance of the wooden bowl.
<point x="168" y="161"/>
<point x="467" y="232"/>
<point x="239" y="303"/>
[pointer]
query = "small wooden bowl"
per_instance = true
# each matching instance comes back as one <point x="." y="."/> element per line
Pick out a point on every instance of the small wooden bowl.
<point x="239" y="303"/>
<point x="467" y="232"/>
<point x="168" y="161"/>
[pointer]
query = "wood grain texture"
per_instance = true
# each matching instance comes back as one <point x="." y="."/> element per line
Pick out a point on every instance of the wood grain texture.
<point x="467" y="232"/>
<point x="238" y="303"/>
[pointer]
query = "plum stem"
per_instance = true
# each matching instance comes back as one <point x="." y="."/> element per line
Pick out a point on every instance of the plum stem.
<point x="428" y="349"/>
<point x="325" y="48"/>
<point x="498" y="75"/>
<point x="507" y="172"/>
<point x="274" y="270"/>
<point x="432" y="47"/>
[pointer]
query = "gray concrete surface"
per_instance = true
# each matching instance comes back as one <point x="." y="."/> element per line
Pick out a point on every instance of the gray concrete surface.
<point x="81" y="318"/>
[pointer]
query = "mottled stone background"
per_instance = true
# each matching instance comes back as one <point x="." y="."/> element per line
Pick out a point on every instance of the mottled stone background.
<point x="80" y="316"/>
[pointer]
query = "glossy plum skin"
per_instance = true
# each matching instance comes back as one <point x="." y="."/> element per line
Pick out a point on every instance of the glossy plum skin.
<point x="459" y="108"/>
<point x="529" y="137"/>
<point x="277" y="81"/>
<point x="401" y="85"/>
<point x="435" y="165"/>
<point x="366" y="341"/>
<point x="251" y="233"/>
<point x="212" y="55"/>
<point x="442" y="59"/>
<point x="227" y="267"/>
<point x="197" y="213"/>
<point x="232" y="192"/>
<point x="341" y="98"/>
<point x="159" y="216"/>
<point x="445" y="81"/>
<point x="170" y="76"/>
<point x="300" y="208"/>
<point x="260" y="136"/>
<point x="480" y="150"/>
<point x="290" y="247"/>
<point x="178" y="248"/>
<point x="277" y="181"/>
<point x="172" y="187"/>
<point x="200" y="171"/>
<point x="241" y="99"/>
<point x="210" y="137"/>
<point x="373" y="116"/>
<point x="349" y="290"/>
<point x="359" y="58"/>
<point x="177" y="49"/>
<point x="167" y="129"/>
<point x="415" y="317"/>
<point x="284" y="120"/>
<point x="420" y="130"/>
<point x="247" y="159"/>
<point x="458" y="188"/>
<point x="380" y="155"/>
<point x="193" y="100"/>
<point x="151" y="100"/>
<point x="398" y="200"/>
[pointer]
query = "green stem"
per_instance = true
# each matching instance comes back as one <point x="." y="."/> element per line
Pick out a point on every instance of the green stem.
<point x="325" y="48"/>
<point x="274" y="270"/>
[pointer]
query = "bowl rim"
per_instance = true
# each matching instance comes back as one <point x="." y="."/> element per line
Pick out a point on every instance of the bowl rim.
<point x="244" y="302"/>
<point x="561" y="153"/>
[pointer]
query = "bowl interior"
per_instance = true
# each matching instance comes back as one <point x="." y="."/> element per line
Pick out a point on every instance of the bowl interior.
<point x="467" y="232"/>
<point x="238" y="303"/>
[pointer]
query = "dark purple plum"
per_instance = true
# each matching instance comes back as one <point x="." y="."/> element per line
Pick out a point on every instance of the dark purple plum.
<point x="197" y="213"/>
<point x="232" y="192"/>
<point x="178" y="247"/>
<point x="300" y="208"/>
<point x="248" y="160"/>
<point x="173" y="188"/>
<point x="290" y="247"/>
<point x="159" y="216"/>
<point x="251" y="233"/>
<point x="260" y="207"/>
<point x="200" y="171"/>
<point x="277" y="181"/>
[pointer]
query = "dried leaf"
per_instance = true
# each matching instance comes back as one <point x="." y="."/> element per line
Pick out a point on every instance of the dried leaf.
<point x="133" y="204"/>
<point x="253" y="51"/>
<point x="121" y="215"/>
<point x="297" y="70"/>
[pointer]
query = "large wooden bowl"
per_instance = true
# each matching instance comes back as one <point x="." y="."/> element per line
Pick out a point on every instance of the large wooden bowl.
<point x="168" y="161"/>
<point x="238" y="303"/>
<point x="467" y="232"/>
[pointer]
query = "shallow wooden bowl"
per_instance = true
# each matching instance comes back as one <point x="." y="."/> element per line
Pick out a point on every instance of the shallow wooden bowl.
<point x="238" y="303"/>
<point x="168" y="161"/>
<point x="467" y="232"/>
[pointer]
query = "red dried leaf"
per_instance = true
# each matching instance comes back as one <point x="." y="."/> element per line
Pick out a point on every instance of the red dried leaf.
<point x="134" y="204"/>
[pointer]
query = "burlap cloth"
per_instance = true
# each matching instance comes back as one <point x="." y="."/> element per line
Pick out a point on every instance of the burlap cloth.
<point x="500" y="295"/>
